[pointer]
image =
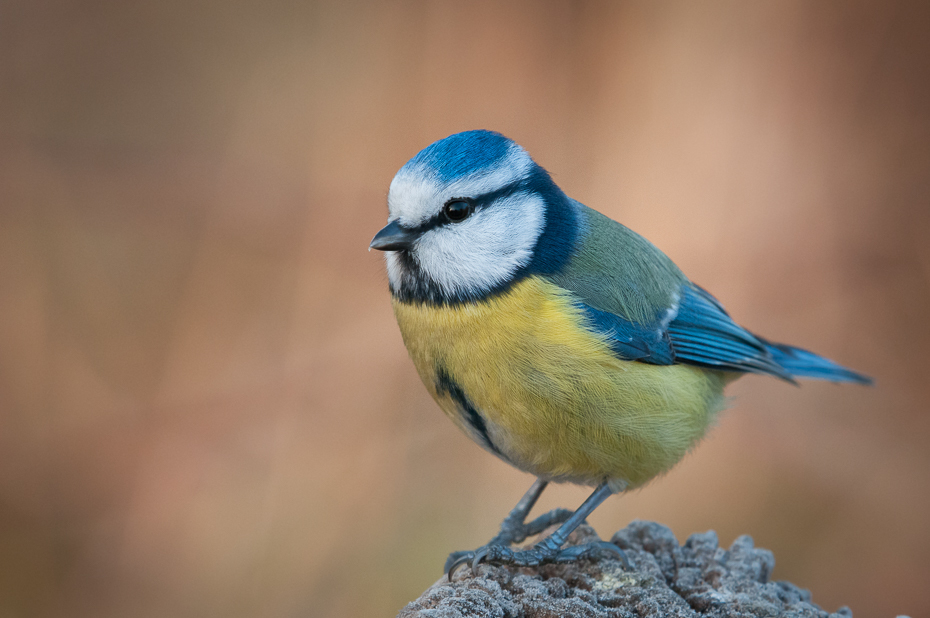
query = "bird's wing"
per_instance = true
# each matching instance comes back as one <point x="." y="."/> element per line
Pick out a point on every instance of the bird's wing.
<point x="634" y="294"/>
<point x="702" y="333"/>
<point x="696" y="332"/>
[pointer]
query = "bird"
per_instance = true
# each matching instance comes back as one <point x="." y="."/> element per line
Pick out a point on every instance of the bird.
<point x="556" y="338"/>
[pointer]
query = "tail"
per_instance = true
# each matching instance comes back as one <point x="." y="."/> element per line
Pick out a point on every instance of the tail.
<point x="803" y="364"/>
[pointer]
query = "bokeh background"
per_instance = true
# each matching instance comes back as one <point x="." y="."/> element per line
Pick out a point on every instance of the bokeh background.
<point x="205" y="405"/>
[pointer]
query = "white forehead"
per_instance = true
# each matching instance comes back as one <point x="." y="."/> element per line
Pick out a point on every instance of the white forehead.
<point x="418" y="192"/>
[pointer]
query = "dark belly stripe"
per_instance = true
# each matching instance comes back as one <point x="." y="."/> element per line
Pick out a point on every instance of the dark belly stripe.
<point x="445" y="384"/>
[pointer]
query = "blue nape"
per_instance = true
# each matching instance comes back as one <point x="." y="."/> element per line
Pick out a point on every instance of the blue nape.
<point x="462" y="154"/>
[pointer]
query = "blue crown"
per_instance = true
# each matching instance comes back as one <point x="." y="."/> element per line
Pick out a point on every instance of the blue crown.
<point x="462" y="154"/>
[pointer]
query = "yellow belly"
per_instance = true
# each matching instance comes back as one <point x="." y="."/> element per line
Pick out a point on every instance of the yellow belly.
<point x="554" y="399"/>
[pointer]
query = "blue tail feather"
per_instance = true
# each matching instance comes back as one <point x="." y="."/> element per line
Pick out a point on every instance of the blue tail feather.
<point x="803" y="364"/>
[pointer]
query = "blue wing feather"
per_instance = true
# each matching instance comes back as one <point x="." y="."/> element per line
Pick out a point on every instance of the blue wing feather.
<point x="806" y="364"/>
<point x="631" y="341"/>
<point x="704" y="334"/>
<point x="701" y="334"/>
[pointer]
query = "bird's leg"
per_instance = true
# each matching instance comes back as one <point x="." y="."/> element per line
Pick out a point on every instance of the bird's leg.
<point x="550" y="548"/>
<point x="514" y="528"/>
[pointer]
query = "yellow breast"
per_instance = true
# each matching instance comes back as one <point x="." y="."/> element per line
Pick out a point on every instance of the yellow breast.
<point x="550" y="396"/>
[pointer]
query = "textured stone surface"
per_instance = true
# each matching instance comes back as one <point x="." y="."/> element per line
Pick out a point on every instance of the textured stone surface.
<point x="698" y="578"/>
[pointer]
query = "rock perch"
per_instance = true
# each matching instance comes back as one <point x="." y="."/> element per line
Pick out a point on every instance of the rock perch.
<point x="698" y="578"/>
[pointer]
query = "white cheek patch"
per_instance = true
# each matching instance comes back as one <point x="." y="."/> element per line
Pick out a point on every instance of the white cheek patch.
<point x="394" y="268"/>
<point x="416" y="194"/>
<point x="482" y="252"/>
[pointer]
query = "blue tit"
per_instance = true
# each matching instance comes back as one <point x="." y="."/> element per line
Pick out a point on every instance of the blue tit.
<point x="556" y="338"/>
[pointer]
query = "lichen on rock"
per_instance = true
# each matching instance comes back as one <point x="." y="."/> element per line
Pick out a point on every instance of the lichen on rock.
<point x="699" y="578"/>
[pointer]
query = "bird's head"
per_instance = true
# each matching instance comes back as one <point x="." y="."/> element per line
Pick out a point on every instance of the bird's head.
<point x="466" y="216"/>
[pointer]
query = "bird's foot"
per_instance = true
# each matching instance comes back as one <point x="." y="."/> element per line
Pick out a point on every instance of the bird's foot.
<point x="513" y="530"/>
<point x="541" y="553"/>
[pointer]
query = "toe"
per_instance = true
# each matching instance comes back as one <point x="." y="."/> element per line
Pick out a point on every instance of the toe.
<point x="602" y="547"/>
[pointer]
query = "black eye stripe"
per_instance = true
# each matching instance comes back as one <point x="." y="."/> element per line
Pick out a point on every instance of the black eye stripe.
<point x="477" y="203"/>
<point x="485" y="199"/>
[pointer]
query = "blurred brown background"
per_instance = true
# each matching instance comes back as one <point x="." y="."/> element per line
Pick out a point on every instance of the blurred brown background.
<point x="205" y="405"/>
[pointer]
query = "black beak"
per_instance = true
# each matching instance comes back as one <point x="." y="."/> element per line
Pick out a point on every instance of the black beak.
<point x="393" y="237"/>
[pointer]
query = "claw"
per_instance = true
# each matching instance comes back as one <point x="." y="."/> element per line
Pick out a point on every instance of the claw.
<point x="621" y="555"/>
<point x="453" y="557"/>
<point x="463" y="559"/>
<point x="480" y="555"/>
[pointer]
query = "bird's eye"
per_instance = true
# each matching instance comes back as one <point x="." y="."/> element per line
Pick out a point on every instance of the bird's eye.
<point x="457" y="210"/>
